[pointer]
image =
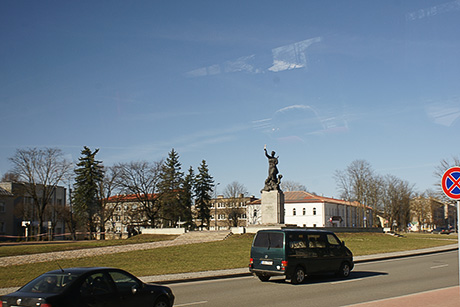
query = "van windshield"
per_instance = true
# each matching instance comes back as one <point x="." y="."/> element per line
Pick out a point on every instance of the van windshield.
<point x="269" y="240"/>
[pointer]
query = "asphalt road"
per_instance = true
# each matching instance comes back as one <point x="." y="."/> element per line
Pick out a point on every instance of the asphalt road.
<point x="368" y="282"/>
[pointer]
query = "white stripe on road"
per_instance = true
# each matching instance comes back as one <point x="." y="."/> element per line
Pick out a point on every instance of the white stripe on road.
<point x="191" y="304"/>
<point x="439" y="266"/>
<point x="354" y="279"/>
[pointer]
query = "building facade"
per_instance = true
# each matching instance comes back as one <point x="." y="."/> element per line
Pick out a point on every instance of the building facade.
<point x="304" y="209"/>
<point x="7" y="219"/>
<point x="18" y="213"/>
<point x="429" y="213"/>
<point x="125" y="216"/>
<point x="229" y="212"/>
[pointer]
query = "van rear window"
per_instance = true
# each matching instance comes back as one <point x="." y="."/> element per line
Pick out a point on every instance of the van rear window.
<point x="269" y="240"/>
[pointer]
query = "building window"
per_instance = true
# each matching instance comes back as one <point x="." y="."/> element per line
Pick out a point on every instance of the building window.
<point x="293" y="212"/>
<point x="255" y="212"/>
<point x="2" y="206"/>
<point x="304" y="211"/>
<point x="314" y="211"/>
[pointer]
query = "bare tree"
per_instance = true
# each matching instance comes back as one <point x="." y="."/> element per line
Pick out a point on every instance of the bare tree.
<point x="234" y="193"/>
<point x="397" y="199"/>
<point x="357" y="183"/>
<point x="291" y="186"/>
<point x="10" y="177"/>
<point x="41" y="170"/>
<point x="421" y="208"/>
<point x="141" y="179"/>
<point x="107" y="187"/>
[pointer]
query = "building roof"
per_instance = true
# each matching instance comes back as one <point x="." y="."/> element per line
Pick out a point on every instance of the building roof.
<point x="4" y="192"/>
<point x="295" y="197"/>
<point x="130" y="197"/>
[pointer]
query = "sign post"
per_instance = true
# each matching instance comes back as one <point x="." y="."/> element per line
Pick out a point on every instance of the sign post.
<point x="451" y="186"/>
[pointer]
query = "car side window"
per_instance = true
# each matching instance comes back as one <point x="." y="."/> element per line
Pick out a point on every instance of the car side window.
<point x="316" y="241"/>
<point x="332" y="240"/>
<point x="123" y="282"/>
<point x="96" y="284"/>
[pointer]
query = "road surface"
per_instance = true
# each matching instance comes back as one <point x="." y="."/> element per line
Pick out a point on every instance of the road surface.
<point x="373" y="281"/>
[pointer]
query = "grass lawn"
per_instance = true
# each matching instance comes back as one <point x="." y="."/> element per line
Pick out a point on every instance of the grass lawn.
<point x="231" y="253"/>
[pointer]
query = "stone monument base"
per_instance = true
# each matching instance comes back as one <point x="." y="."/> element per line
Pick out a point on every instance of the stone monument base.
<point x="272" y="207"/>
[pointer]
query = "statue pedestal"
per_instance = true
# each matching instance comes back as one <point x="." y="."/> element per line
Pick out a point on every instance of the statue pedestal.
<point x="272" y="203"/>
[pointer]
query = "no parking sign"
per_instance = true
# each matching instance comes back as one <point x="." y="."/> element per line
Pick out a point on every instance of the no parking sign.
<point x="451" y="182"/>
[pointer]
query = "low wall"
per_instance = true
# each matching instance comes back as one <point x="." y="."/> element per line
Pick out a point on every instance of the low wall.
<point x="256" y="228"/>
<point x="163" y="231"/>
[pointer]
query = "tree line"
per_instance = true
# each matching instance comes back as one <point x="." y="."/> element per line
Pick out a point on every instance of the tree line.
<point x="163" y="192"/>
<point x="389" y="196"/>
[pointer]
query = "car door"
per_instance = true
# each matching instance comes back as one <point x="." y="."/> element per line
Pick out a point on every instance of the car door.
<point x="315" y="261"/>
<point x="335" y="253"/>
<point x="130" y="290"/>
<point x="97" y="290"/>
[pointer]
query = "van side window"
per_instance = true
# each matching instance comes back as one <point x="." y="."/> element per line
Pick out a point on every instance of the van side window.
<point x="332" y="240"/>
<point x="316" y="241"/>
<point x="297" y="241"/>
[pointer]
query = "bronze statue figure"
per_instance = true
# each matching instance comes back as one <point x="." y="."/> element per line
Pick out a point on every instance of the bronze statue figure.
<point x="274" y="179"/>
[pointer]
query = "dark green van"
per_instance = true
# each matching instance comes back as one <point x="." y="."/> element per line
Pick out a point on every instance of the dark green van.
<point x="296" y="253"/>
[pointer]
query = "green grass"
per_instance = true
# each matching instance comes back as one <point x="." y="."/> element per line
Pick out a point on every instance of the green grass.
<point x="231" y="253"/>
<point x="47" y="247"/>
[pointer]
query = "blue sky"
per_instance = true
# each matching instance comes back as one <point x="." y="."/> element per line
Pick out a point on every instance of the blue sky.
<point x="322" y="83"/>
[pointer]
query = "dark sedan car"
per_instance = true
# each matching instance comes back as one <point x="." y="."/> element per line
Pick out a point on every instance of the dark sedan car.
<point x="89" y="287"/>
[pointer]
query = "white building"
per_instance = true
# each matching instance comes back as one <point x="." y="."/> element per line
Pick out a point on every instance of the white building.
<point x="304" y="209"/>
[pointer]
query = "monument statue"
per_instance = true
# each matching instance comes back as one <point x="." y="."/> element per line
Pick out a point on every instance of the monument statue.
<point x="272" y="183"/>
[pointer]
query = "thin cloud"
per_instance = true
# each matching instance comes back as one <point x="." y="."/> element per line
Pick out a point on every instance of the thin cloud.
<point x="287" y="57"/>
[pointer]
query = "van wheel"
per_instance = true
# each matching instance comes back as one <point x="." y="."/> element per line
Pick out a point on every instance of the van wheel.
<point x="344" y="270"/>
<point x="264" y="277"/>
<point x="299" y="276"/>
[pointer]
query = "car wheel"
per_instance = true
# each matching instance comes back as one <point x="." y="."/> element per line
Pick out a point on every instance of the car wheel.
<point x="299" y="276"/>
<point x="161" y="302"/>
<point x="264" y="277"/>
<point x="345" y="270"/>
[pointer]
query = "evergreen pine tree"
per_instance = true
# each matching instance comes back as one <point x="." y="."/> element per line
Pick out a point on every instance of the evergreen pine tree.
<point x="170" y="190"/>
<point x="188" y="188"/>
<point x="203" y="188"/>
<point x="89" y="174"/>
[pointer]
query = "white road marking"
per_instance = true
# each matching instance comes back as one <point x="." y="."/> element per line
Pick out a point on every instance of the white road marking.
<point x="353" y="279"/>
<point x="439" y="266"/>
<point x="191" y="304"/>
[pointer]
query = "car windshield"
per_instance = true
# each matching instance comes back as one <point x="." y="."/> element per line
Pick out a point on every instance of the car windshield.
<point x="50" y="283"/>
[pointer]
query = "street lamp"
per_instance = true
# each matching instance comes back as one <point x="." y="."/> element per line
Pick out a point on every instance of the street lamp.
<point x="215" y="206"/>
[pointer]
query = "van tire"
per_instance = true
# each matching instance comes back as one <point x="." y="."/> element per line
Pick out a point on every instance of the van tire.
<point x="299" y="276"/>
<point x="344" y="270"/>
<point x="264" y="277"/>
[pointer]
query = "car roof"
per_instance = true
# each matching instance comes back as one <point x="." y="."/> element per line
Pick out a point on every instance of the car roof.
<point x="79" y="270"/>
<point x="288" y="230"/>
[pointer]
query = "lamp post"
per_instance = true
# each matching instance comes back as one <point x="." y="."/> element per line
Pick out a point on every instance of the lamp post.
<point x="215" y="206"/>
